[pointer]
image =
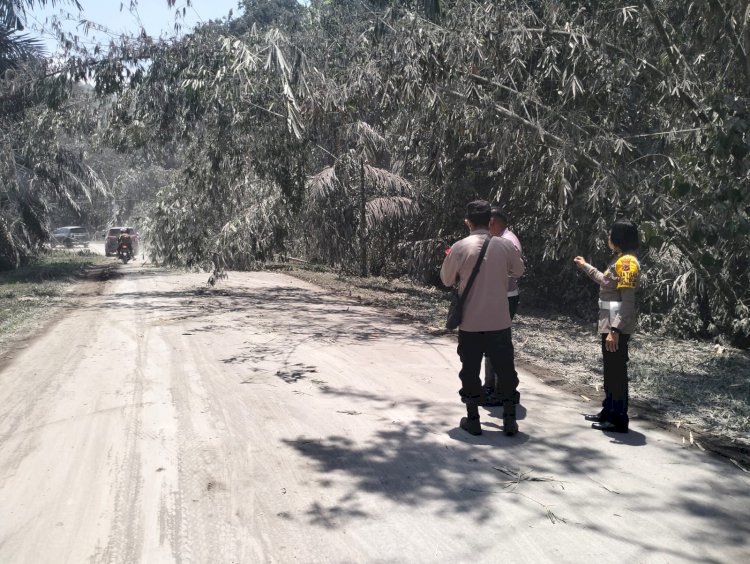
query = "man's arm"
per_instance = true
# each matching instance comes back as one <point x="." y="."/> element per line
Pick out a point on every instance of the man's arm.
<point x="515" y="263"/>
<point x="449" y="270"/>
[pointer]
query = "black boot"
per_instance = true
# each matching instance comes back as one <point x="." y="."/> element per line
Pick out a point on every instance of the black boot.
<point x="493" y="400"/>
<point x="510" y="425"/>
<point x="617" y="421"/>
<point x="471" y="425"/>
<point x="597" y="417"/>
<point x="611" y="427"/>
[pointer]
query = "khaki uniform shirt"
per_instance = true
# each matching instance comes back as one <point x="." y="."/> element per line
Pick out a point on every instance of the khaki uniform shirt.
<point x="617" y="287"/>
<point x="486" y="306"/>
<point x="512" y="282"/>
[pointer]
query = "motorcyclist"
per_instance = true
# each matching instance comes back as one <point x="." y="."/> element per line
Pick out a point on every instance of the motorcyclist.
<point x="125" y="238"/>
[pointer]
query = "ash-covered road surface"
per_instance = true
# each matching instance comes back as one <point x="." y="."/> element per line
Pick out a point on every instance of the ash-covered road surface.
<point x="268" y="421"/>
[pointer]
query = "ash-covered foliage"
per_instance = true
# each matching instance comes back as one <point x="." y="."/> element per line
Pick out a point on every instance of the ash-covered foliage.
<point x="291" y="122"/>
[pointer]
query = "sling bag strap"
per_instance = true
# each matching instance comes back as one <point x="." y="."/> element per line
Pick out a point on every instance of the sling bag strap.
<point x="476" y="270"/>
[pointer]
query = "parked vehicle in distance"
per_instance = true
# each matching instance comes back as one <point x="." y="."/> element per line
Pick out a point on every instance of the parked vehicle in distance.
<point x="70" y="236"/>
<point x="110" y="241"/>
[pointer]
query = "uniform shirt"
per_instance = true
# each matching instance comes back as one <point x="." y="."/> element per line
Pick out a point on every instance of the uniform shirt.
<point x="617" y="284"/>
<point x="485" y="308"/>
<point x="512" y="282"/>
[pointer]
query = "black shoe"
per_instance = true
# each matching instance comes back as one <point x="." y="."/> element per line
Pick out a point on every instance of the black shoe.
<point x="471" y="425"/>
<point x="597" y="417"/>
<point x="493" y="401"/>
<point x="510" y="425"/>
<point x="611" y="427"/>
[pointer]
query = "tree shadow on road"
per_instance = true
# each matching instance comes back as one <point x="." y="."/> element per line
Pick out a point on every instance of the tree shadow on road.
<point x="441" y="469"/>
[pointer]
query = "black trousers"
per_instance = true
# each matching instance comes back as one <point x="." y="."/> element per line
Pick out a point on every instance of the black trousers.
<point x="513" y="305"/>
<point x="615" y="404"/>
<point x="490" y="378"/>
<point x="498" y="346"/>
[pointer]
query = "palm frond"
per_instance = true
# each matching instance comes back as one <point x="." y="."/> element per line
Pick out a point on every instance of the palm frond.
<point x="394" y="209"/>
<point x="324" y="184"/>
<point x="16" y="49"/>
<point x="385" y="183"/>
<point x="364" y="136"/>
<point x="12" y="13"/>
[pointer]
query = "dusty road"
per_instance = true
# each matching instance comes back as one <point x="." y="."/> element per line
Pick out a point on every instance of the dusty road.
<point x="271" y="422"/>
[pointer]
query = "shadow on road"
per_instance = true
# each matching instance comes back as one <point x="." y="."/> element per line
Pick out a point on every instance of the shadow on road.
<point x="410" y="463"/>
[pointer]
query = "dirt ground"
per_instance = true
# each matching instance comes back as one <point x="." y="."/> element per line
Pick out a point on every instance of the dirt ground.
<point x="698" y="390"/>
<point x="268" y="420"/>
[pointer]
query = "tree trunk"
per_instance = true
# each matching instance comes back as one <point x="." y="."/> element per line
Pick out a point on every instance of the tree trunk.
<point x="745" y="50"/>
<point x="362" y="221"/>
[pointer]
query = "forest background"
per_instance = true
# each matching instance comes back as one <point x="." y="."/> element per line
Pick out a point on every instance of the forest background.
<point x="352" y="134"/>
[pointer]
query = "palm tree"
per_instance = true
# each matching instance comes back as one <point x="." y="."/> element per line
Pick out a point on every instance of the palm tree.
<point x="353" y="201"/>
<point x="36" y="169"/>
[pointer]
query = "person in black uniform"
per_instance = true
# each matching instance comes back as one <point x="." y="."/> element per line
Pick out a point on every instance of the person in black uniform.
<point x="617" y="321"/>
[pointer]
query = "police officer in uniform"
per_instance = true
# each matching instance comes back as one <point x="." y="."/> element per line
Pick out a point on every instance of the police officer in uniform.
<point x="617" y="320"/>
<point x="485" y="326"/>
<point x="499" y="228"/>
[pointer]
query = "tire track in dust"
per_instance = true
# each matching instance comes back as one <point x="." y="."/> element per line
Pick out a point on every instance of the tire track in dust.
<point x="204" y="531"/>
<point x="126" y="534"/>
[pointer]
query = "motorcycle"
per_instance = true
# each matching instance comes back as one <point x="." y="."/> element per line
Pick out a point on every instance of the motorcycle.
<point x="124" y="252"/>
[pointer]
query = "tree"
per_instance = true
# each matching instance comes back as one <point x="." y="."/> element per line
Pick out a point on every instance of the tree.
<point x="36" y="168"/>
<point x="236" y="118"/>
<point x="354" y="201"/>
<point x="569" y="113"/>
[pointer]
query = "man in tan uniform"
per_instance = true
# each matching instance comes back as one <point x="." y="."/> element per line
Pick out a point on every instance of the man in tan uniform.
<point x="485" y="326"/>
<point x="499" y="228"/>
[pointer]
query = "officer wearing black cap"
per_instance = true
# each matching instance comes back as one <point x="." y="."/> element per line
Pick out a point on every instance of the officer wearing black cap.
<point x="485" y="325"/>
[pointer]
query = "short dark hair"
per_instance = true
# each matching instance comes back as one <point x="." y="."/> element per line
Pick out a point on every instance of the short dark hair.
<point x="478" y="212"/>
<point x="624" y="235"/>
<point x="499" y="213"/>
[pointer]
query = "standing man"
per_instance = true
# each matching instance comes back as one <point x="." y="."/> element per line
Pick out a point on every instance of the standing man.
<point x="485" y="326"/>
<point x="499" y="228"/>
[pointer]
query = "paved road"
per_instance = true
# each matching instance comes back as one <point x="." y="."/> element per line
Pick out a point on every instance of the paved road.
<point x="270" y="422"/>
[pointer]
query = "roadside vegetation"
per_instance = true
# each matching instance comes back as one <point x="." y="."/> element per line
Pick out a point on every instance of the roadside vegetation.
<point x="352" y="134"/>
<point x="31" y="294"/>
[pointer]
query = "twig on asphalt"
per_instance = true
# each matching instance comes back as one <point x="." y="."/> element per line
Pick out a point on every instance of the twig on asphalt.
<point x="602" y="485"/>
<point x="519" y="476"/>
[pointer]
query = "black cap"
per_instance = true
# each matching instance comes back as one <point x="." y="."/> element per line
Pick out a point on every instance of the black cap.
<point x="499" y="212"/>
<point x="478" y="207"/>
